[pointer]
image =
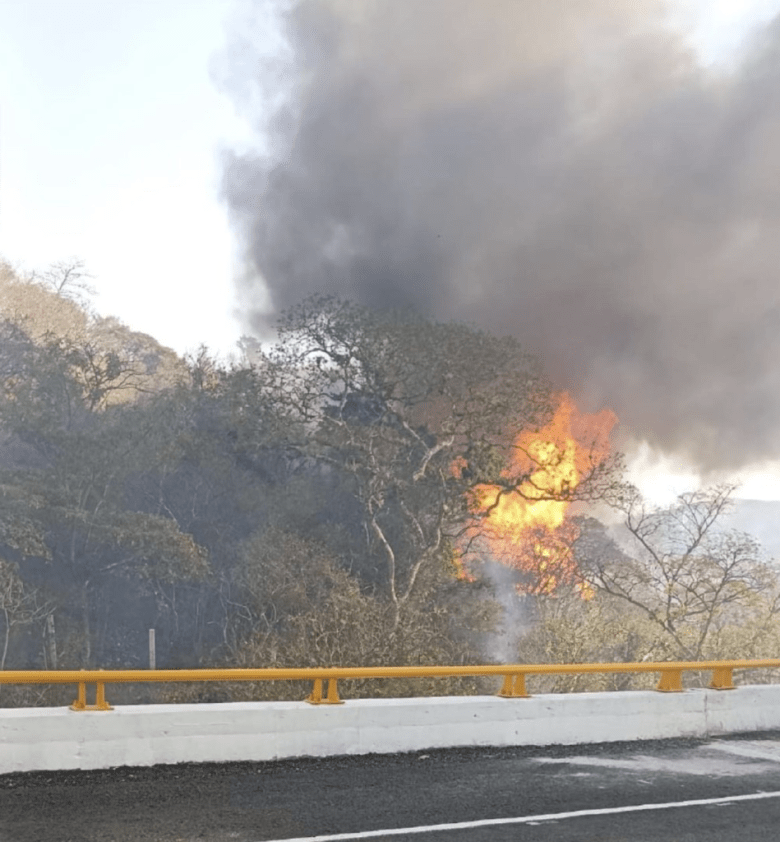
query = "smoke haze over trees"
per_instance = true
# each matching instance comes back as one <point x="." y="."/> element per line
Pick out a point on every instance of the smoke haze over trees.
<point x="312" y="504"/>
<point x="297" y="509"/>
<point x="562" y="172"/>
<point x="455" y="208"/>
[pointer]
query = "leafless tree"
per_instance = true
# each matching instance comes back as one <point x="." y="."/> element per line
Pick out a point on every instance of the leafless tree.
<point x="682" y="570"/>
<point x="19" y="606"/>
<point x="66" y="278"/>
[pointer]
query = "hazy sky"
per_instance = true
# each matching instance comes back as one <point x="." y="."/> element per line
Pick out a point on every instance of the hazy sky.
<point x="111" y="132"/>
<point x="110" y="129"/>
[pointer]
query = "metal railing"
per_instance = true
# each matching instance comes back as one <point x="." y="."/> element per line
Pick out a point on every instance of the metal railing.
<point x="513" y="686"/>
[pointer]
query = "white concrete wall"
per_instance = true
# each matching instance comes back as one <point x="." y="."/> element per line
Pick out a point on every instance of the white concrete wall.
<point x="143" y="735"/>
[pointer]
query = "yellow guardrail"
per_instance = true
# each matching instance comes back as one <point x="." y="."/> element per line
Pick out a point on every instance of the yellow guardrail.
<point x="513" y="686"/>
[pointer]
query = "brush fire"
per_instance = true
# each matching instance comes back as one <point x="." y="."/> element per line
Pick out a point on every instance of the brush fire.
<point x="525" y="519"/>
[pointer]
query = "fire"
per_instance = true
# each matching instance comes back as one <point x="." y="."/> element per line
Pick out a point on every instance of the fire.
<point x="525" y="520"/>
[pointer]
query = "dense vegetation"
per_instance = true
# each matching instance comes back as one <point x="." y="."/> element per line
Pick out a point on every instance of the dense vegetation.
<point x="305" y="504"/>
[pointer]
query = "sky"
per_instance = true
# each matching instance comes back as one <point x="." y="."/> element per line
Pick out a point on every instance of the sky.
<point x="112" y="132"/>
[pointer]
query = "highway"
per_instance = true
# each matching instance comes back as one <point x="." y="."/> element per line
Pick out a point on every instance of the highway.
<point x="480" y="795"/>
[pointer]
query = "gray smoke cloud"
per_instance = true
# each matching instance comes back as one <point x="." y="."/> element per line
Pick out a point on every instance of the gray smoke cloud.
<point x="565" y="172"/>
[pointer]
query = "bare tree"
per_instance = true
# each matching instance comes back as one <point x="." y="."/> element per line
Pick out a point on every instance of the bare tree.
<point x="67" y="279"/>
<point x="19" y="606"/>
<point x="685" y="573"/>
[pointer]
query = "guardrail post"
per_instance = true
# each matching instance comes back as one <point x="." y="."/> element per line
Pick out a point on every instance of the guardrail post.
<point x="333" y="693"/>
<point x="514" y="687"/>
<point x="315" y="697"/>
<point x="722" y="679"/>
<point x="670" y="682"/>
<point x="81" y="700"/>
<point x="100" y="697"/>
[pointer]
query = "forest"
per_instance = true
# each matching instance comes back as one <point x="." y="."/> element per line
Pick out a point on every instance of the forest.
<point x="368" y="488"/>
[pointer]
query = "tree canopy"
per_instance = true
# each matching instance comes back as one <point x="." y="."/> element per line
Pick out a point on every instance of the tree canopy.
<point x="311" y="503"/>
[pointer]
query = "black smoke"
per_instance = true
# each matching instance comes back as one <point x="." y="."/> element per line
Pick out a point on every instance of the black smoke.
<point x="566" y="172"/>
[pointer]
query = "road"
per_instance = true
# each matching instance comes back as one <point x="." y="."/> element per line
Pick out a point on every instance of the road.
<point x="495" y="795"/>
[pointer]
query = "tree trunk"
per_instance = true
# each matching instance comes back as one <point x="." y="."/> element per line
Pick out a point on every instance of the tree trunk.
<point x="5" y="639"/>
<point x="50" y="643"/>
<point x="86" y="630"/>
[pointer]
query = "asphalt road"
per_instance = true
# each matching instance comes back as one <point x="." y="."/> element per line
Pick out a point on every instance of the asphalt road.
<point x="256" y="802"/>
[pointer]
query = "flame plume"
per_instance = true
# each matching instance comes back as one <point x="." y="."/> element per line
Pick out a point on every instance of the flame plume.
<point x="524" y="517"/>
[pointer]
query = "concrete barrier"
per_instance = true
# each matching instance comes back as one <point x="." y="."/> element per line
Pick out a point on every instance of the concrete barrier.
<point x="145" y="735"/>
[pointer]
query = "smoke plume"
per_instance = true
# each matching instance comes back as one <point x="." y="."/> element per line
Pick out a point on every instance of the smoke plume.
<point x="565" y="172"/>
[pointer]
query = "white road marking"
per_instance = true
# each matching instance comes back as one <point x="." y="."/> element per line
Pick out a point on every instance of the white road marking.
<point x="755" y="750"/>
<point x="544" y="817"/>
<point x="696" y="763"/>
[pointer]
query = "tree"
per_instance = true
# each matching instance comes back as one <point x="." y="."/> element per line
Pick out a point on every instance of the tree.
<point x="66" y="279"/>
<point x="567" y="629"/>
<point x="68" y="454"/>
<point x="409" y="414"/>
<point x="689" y="577"/>
<point x="19" y="606"/>
<point x="40" y="306"/>
<point x="113" y="363"/>
<point x="295" y="605"/>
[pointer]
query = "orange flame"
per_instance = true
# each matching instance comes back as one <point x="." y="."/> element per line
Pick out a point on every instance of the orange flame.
<point x="525" y="521"/>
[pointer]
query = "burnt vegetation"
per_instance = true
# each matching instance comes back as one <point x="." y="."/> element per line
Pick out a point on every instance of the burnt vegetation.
<point x="308" y="504"/>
